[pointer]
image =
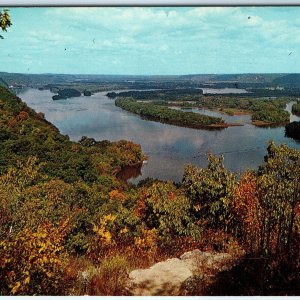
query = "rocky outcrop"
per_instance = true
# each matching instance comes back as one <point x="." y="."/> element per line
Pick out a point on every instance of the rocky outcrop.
<point x="171" y="276"/>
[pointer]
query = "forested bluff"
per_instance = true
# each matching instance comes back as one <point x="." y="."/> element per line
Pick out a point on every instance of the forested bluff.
<point x="69" y="226"/>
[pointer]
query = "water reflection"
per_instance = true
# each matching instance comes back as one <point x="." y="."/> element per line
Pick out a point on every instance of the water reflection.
<point x="224" y="91"/>
<point x="169" y="147"/>
<point x="131" y="172"/>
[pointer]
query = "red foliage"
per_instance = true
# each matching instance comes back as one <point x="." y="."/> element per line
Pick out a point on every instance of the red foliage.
<point x="246" y="208"/>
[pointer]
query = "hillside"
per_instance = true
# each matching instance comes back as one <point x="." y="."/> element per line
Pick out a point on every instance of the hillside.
<point x="290" y="80"/>
<point x="3" y="83"/>
<point x="69" y="226"/>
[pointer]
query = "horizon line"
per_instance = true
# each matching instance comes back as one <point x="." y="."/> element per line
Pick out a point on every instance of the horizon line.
<point x="145" y="75"/>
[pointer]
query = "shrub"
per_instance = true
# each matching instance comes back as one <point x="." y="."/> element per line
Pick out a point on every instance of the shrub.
<point x="110" y="279"/>
<point x="33" y="262"/>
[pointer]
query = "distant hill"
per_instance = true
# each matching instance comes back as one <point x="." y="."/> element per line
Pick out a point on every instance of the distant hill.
<point x="247" y="78"/>
<point x="254" y="80"/>
<point x="240" y="78"/>
<point x="290" y="80"/>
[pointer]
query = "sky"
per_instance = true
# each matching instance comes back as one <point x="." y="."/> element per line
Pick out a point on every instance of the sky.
<point x="152" y="40"/>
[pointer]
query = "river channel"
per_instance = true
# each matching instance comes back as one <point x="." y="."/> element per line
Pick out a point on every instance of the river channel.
<point x="169" y="148"/>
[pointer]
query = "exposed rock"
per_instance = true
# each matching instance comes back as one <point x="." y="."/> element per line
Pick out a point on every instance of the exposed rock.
<point x="170" y="276"/>
<point x="163" y="278"/>
<point x="192" y="254"/>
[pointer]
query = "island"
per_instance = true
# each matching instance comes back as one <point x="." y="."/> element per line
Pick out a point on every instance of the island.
<point x="87" y="93"/>
<point x="154" y="112"/>
<point x="264" y="111"/>
<point x="293" y="130"/>
<point x="66" y="93"/>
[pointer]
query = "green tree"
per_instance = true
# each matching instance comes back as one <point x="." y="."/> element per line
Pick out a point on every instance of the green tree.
<point x="5" y="21"/>
<point x="210" y="190"/>
<point x="167" y="209"/>
<point x="279" y="194"/>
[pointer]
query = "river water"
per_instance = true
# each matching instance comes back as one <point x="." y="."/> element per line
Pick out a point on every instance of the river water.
<point x="169" y="148"/>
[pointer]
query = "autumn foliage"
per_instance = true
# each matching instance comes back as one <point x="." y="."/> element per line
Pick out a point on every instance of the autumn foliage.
<point x="33" y="262"/>
<point x="246" y="209"/>
<point x="70" y="226"/>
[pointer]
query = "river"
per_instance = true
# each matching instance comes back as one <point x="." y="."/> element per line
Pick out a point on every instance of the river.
<point x="169" y="148"/>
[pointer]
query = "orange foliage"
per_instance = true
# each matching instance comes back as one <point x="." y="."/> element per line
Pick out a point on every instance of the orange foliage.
<point x="246" y="208"/>
<point x="75" y="148"/>
<point x="140" y="208"/>
<point x="23" y="115"/>
<point x="141" y="205"/>
<point x="171" y="196"/>
<point x="117" y="195"/>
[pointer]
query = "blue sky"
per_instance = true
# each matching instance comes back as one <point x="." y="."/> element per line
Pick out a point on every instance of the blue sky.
<point x="149" y="41"/>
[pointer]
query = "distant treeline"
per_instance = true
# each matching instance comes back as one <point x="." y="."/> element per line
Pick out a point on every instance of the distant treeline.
<point x="166" y="115"/>
<point x="194" y="94"/>
<point x="263" y="92"/>
<point x="166" y="95"/>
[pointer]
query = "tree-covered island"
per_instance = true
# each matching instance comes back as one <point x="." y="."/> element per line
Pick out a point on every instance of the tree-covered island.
<point x="264" y="111"/>
<point x="154" y="112"/>
<point x="66" y="93"/>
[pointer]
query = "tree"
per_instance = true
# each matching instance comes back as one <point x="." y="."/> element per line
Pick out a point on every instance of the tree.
<point x="5" y="21"/>
<point x="167" y="209"/>
<point x="210" y="192"/>
<point x="279" y="196"/>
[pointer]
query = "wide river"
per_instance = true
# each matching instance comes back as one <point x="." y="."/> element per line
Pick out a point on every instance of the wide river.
<point x="169" y="148"/>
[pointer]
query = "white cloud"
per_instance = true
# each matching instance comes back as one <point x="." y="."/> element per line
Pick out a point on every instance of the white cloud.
<point x="39" y="36"/>
<point x="181" y="38"/>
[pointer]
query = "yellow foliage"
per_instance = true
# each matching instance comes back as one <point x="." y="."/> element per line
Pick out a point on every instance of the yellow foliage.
<point x="102" y="229"/>
<point x="124" y="230"/>
<point x="16" y="287"/>
<point x="108" y="218"/>
<point x="147" y="241"/>
<point x="33" y="262"/>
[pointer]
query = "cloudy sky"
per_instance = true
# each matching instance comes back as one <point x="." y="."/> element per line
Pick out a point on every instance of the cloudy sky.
<point x="159" y="40"/>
